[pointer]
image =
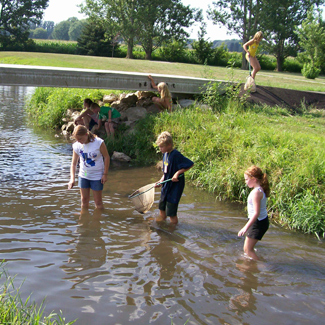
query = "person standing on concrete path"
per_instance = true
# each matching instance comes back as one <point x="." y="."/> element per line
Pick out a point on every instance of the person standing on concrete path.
<point x="250" y="48"/>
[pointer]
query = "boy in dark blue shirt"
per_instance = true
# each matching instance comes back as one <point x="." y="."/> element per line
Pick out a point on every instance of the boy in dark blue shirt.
<point x="174" y="165"/>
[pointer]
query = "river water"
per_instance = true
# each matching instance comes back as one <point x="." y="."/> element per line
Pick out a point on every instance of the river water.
<point x="118" y="266"/>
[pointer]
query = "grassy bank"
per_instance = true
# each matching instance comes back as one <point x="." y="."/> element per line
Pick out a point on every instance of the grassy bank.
<point x="265" y="78"/>
<point x="224" y="141"/>
<point x="15" y="311"/>
<point x="289" y="148"/>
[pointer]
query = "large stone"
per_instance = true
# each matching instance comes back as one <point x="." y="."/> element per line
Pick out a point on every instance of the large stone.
<point x="107" y="99"/>
<point x="120" y="156"/>
<point x="186" y="102"/>
<point x="144" y="102"/>
<point x="129" y="99"/>
<point x="70" y="127"/>
<point x="135" y="113"/>
<point x="145" y="94"/>
<point x="120" y="106"/>
<point x="152" y="109"/>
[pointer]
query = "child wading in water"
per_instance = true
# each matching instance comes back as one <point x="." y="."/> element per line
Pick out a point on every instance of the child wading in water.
<point x="174" y="165"/>
<point x="251" y="52"/>
<point x="164" y="102"/>
<point x="258" y="221"/>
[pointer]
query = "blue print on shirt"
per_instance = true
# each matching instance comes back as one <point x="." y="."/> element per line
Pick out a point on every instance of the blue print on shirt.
<point x="88" y="158"/>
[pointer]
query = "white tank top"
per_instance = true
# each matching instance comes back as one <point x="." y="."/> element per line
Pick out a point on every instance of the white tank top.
<point x="250" y="206"/>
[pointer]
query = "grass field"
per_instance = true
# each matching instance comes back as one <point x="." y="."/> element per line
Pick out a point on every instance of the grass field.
<point x="272" y="79"/>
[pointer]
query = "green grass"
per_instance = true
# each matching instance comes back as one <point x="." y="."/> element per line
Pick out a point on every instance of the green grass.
<point x="272" y="79"/>
<point x="15" y="311"/>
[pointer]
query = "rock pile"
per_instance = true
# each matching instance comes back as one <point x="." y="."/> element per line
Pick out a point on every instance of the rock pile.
<point x="132" y="106"/>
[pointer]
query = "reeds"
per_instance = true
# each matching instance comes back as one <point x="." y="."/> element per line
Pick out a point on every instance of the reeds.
<point x="15" y="311"/>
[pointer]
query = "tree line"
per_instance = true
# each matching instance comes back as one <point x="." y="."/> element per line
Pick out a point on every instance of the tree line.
<point x="289" y="26"/>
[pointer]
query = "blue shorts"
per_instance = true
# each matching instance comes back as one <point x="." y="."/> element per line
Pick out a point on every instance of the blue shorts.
<point x="94" y="185"/>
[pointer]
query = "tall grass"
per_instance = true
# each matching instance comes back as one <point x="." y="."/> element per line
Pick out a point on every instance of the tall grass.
<point x="15" y="311"/>
<point x="223" y="144"/>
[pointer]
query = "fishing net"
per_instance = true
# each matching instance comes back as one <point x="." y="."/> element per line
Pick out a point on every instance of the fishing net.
<point x="143" y="198"/>
<point x="250" y="84"/>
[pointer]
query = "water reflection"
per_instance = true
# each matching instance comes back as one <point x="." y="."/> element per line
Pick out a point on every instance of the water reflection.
<point x="116" y="266"/>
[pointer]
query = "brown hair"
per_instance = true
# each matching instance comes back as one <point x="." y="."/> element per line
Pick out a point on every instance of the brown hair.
<point x="257" y="173"/>
<point x="164" y="138"/>
<point x="88" y="101"/>
<point x="81" y="130"/>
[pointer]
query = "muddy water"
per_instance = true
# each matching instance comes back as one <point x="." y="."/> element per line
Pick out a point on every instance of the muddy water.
<point x="118" y="267"/>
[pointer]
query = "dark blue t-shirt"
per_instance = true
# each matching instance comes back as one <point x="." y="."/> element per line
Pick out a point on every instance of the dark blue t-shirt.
<point x="172" y="162"/>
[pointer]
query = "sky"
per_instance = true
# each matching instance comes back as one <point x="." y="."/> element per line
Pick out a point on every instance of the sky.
<point x="59" y="10"/>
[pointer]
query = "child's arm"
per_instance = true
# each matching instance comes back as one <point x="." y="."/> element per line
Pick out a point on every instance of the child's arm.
<point x="257" y="197"/>
<point x="107" y="159"/>
<point x="161" y="180"/>
<point x="152" y="82"/>
<point x="88" y="111"/>
<point x="73" y="167"/>
<point x="179" y="172"/>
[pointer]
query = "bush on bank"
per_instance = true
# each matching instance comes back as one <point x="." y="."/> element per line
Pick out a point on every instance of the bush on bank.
<point x="224" y="141"/>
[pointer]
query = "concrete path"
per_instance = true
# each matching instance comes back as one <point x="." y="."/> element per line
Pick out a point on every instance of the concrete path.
<point x="40" y="76"/>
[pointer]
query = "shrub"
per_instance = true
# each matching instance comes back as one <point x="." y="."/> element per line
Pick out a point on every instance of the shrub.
<point x="310" y="71"/>
<point x="292" y="65"/>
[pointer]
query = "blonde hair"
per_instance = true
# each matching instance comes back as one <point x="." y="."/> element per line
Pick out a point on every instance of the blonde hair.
<point x="164" y="90"/>
<point x="81" y="130"/>
<point x="256" y="172"/>
<point x="258" y="36"/>
<point x="164" y="138"/>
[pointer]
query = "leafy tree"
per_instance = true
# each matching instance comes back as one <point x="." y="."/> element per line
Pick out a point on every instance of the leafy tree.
<point x="312" y="40"/>
<point x="203" y="49"/>
<point x="174" y="51"/>
<point x="150" y="22"/>
<point x="75" y="29"/>
<point x="49" y="26"/>
<point x="94" y="40"/>
<point x="240" y="17"/>
<point x="40" y="33"/>
<point x="15" y="16"/>
<point x="162" y="20"/>
<point x="61" y="30"/>
<point x="278" y="20"/>
<point x="120" y="17"/>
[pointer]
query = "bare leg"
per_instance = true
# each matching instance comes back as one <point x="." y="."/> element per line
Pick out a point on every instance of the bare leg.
<point x="109" y="127"/>
<point x="174" y="220"/>
<point x="98" y="198"/>
<point x="162" y="216"/>
<point x="249" y="245"/>
<point x="256" y="66"/>
<point x="85" y="196"/>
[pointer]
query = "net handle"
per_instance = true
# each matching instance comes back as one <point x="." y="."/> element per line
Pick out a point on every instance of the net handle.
<point x="167" y="180"/>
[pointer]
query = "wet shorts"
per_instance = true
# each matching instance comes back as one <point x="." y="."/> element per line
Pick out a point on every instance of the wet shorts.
<point x="258" y="229"/>
<point x="94" y="185"/>
<point x="170" y="208"/>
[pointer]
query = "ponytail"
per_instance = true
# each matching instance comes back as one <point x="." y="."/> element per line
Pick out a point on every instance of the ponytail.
<point x="257" y="173"/>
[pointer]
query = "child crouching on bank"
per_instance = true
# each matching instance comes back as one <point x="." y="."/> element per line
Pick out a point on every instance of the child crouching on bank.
<point x="174" y="165"/>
